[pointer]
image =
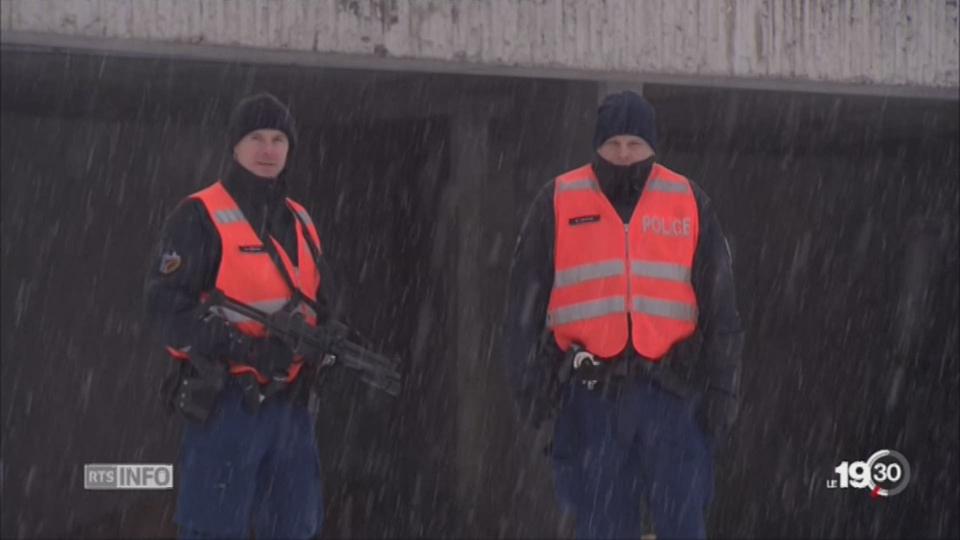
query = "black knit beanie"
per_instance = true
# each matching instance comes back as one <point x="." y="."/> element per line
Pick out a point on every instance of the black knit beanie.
<point x="625" y="113"/>
<point x="260" y="111"/>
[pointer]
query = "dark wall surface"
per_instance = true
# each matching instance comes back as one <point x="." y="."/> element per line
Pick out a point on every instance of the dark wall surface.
<point x="841" y="213"/>
<point x="96" y="152"/>
<point x="842" y="216"/>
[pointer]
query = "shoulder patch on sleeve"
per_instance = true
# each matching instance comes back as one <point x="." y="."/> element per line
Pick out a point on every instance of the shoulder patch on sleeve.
<point x="170" y="262"/>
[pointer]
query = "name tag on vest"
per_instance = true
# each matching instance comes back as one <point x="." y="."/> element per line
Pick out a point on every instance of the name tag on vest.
<point x="582" y="220"/>
<point x="252" y="249"/>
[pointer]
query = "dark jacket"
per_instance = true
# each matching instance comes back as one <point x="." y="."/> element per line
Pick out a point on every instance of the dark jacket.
<point x="170" y="298"/>
<point x="709" y="359"/>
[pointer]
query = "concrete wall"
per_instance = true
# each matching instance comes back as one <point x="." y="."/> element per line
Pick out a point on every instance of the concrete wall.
<point x="906" y="47"/>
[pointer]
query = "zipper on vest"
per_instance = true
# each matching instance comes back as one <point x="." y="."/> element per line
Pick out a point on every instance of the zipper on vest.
<point x="626" y="246"/>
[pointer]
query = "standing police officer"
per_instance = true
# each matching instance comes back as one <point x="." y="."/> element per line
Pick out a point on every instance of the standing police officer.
<point x="622" y="313"/>
<point x="249" y="454"/>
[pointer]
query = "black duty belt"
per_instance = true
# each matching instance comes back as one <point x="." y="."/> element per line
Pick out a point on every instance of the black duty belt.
<point x="601" y="374"/>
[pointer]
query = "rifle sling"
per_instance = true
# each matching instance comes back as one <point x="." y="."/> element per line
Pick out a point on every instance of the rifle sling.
<point x="296" y="294"/>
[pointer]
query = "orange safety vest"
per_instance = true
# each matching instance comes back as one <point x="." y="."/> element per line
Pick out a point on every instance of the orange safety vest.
<point x="248" y="274"/>
<point x="610" y="276"/>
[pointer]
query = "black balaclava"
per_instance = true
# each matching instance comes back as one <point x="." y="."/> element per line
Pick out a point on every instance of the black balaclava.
<point x="624" y="113"/>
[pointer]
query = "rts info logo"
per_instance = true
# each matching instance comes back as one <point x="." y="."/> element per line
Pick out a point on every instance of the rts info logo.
<point x="886" y="473"/>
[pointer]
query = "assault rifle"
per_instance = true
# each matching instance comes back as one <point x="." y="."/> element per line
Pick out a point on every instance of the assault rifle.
<point x="328" y="343"/>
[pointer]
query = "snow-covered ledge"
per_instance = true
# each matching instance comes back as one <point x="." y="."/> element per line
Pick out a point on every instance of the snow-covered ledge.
<point x="907" y="48"/>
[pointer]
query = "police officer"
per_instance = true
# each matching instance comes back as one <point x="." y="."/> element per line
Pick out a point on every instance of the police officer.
<point x="249" y="453"/>
<point x="622" y="316"/>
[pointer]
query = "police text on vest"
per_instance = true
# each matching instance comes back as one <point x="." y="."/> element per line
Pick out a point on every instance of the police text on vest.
<point x="666" y="227"/>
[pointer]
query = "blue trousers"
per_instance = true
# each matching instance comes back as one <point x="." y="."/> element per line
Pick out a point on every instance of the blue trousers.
<point x="240" y="471"/>
<point x="609" y="455"/>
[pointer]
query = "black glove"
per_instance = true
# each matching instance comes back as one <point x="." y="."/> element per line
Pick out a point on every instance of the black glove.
<point x="270" y="356"/>
<point x="543" y="436"/>
<point x="217" y="339"/>
<point x="537" y="408"/>
<point x="543" y="386"/>
<point x="718" y="412"/>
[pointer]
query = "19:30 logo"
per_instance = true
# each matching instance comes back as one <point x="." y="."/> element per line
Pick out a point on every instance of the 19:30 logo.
<point x="886" y="473"/>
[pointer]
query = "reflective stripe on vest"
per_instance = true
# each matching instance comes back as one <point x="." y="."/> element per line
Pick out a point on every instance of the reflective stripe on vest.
<point x="223" y="217"/>
<point x="587" y="310"/>
<point x="266" y="306"/>
<point x="586" y="184"/>
<point x="305" y="217"/>
<point x="658" y="270"/>
<point x="666" y="187"/>
<point x="664" y="308"/>
<point x="251" y="276"/>
<point x="586" y="272"/>
<point x="617" y="284"/>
